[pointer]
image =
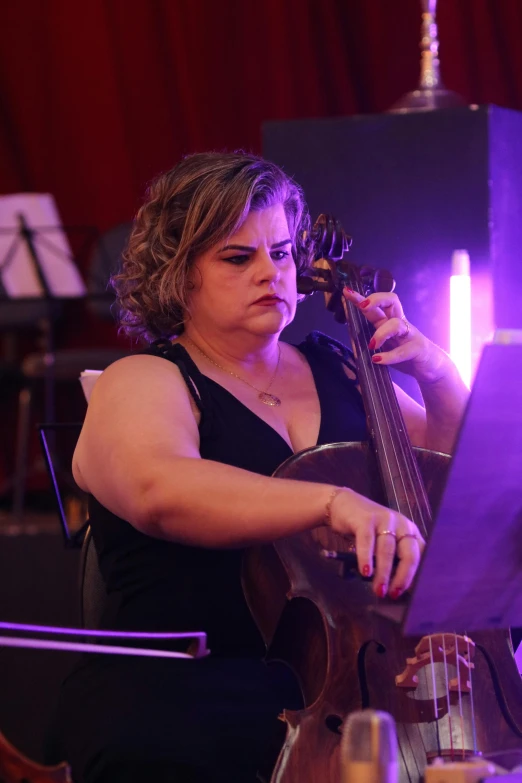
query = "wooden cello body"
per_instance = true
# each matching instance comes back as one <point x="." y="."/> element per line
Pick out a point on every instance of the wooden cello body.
<point x="452" y="697"/>
<point x="347" y="657"/>
<point x="16" y="768"/>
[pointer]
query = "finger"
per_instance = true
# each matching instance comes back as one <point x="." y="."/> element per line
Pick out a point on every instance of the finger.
<point x="403" y="353"/>
<point x="409" y="548"/>
<point x="373" y="314"/>
<point x="352" y="296"/>
<point x="394" y="327"/>
<point x="384" y="554"/>
<point x="364" y="547"/>
<point x="388" y="302"/>
<point x="408" y="552"/>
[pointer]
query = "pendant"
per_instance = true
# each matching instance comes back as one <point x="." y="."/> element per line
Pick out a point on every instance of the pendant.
<point x="269" y="399"/>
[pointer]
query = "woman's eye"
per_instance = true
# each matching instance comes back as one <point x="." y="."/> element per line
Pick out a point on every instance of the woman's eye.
<point x="276" y="255"/>
<point x="279" y="255"/>
<point x="237" y="260"/>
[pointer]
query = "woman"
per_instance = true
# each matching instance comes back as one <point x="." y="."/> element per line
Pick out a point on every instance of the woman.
<point x="177" y="451"/>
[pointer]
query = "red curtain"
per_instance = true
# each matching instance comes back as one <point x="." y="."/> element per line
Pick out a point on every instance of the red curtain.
<point x="96" y="97"/>
<point x="99" y="96"/>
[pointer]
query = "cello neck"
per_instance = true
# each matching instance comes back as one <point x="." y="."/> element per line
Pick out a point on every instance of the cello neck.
<point x="400" y="475"/>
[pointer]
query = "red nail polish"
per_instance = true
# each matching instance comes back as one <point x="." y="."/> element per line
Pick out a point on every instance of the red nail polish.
<point x="376" y="358"/>
<point x="350" y="291"/>
<point x="371" y="344"/>
<point x="396" y="592"/>
<point x="365" y="303"/>
<point x="366" y="570"/>
<point x="381" y="590"/>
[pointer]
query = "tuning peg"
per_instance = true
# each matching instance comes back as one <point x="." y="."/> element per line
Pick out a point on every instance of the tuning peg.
<point x="330" y="240"/>
<point x="376" y="279"/>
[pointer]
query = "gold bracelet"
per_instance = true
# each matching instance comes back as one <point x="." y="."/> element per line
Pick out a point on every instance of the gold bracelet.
<point x="328" y="508"/>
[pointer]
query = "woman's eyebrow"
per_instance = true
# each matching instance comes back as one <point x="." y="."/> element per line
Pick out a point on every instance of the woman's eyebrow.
<point x="248" y="249"/>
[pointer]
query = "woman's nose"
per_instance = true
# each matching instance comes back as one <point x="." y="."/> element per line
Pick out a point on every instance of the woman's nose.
<point x="268" y="269"/>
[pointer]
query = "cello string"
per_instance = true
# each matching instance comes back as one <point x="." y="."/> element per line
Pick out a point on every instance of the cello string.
<point x="460" y="696"/>
<point x="393" y="414"/>
<point x="413" y="487"/>
<point x="446" y="682"/>
<point x="363" y="325"/>
<point x="434" y="686"/>
<point x="471" y="695"/>
<point x="387" y="400"/>
<point x="390" y="419"/>
<point x="412" y="475"/>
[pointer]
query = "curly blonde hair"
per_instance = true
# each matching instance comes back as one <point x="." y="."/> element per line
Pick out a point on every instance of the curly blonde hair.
<point x="189" y="209"/>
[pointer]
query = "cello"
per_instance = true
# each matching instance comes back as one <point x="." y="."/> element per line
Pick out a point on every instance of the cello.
<point x="452" y="697"/>
<point x="15" y="767"/>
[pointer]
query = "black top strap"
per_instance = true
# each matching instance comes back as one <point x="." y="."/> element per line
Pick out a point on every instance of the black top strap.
<point x="319" y="342"/>
<point x="194" y="380"/>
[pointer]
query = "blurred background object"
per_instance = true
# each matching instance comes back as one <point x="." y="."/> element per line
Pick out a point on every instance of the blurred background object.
<point x="431" y="93"/>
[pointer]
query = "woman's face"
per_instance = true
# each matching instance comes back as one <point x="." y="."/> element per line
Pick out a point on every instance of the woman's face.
<point x="247" y="282"/>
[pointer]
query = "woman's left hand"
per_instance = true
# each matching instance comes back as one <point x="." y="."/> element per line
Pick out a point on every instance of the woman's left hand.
<point x="399" y="343"/>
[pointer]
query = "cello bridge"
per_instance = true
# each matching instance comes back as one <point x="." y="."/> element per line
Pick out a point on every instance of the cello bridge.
<point x="446" y="648"/>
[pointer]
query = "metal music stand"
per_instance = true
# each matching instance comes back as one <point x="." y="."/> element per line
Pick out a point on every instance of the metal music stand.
<point x="38" y="273"/>
<point x="470" y="576"/>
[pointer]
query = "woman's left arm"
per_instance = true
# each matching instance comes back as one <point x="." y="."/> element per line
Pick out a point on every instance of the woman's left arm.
<point x="404" y="347"/>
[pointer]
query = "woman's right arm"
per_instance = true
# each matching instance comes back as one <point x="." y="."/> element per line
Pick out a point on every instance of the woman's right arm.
<point x="138" y="454"/>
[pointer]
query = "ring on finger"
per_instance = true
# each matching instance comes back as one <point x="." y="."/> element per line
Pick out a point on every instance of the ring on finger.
<point x="408" y="535"/>
<point x="386" y="533"/>
<point x="407" y="325"/>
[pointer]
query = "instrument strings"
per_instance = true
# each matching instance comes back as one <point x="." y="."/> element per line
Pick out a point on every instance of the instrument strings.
<point x="397" y="453"/>
<point x="387" y="414"/>
<point x="361" y="334"/>
<point x="446" y="680"/>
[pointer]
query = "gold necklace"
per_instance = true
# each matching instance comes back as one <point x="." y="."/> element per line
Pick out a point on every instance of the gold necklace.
<point x="264" y="396"/>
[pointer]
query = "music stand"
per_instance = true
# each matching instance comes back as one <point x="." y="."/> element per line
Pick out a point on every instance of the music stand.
<point x="32" y="266"/>
<point x="36" y="272"/>
<point x="470" y="576"/>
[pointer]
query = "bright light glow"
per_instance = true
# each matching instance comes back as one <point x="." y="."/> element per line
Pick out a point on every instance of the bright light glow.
<point x="460" y="314"/>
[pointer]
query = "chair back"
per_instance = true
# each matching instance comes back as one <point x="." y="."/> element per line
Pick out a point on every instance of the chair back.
<point x="93" y="593"/>
<point x="58" y="441"/>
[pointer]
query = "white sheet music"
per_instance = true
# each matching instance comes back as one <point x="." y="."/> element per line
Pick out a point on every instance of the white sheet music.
<point x="19" y="276"/>
<point x="87" y="379"/>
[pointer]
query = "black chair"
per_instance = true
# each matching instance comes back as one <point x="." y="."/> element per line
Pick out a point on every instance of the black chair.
<point x="93" y="593"/>
<point x="78" y="534"/>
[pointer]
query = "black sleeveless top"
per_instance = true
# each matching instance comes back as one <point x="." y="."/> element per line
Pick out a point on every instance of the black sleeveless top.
<point x="158" y="585"/>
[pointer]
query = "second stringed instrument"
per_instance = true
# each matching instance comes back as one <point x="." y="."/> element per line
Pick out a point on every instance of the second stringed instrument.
<point x="452" y="697"/>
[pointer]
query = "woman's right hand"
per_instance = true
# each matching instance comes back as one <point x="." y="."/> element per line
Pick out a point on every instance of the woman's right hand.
<point x="382" y="533"/>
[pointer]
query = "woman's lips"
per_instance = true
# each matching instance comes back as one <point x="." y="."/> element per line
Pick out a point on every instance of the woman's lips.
<point x="268" y="301"/>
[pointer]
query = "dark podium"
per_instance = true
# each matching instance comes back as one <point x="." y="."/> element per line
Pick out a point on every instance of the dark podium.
<point x="411" y="189"/>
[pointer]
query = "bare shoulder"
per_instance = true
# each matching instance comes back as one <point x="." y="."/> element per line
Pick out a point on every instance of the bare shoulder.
<point x="136" y="388"/>
<point x="140" y="411"/>
<point x="137" y="375"/>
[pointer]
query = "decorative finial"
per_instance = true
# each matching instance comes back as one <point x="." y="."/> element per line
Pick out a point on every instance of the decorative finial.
<point x="431" y="93"/>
